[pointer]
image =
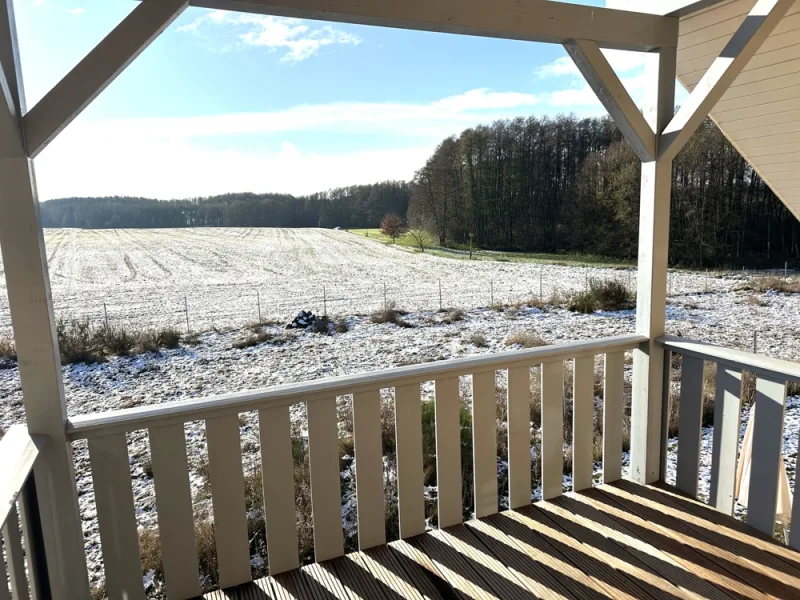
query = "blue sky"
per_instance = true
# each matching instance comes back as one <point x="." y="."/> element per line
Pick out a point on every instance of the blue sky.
<point x="234" y="102"/>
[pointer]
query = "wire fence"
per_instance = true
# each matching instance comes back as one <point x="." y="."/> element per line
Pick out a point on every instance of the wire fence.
<point x="207" y="306"/>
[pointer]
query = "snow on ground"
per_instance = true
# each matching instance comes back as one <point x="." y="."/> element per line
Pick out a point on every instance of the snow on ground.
<point x="138" y="268"/>
<point x="223" y="277"/>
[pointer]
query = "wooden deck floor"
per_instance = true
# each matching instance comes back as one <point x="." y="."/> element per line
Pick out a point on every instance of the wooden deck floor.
<point x="617" y="541"/>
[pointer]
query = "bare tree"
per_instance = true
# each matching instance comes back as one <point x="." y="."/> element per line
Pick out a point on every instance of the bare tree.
<point x="393" y="225"/>
<point x="420" y="225"/>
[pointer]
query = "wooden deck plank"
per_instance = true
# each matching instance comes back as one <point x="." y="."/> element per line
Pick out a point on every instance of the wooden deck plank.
<point x="601" y="564"/>
<point x="629" y="561"/>
<point x="703" y="517"/>
<point x="563" y="558"/>
<point x="747" y="549"/>
<point x="618" y="541"/>
<point x="501" y="580"/>
<point x="756" y="569"/>
<point x="691" y="571"/>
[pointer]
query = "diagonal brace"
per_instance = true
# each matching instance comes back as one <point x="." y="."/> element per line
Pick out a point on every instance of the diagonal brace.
<point x="98" y="69"/>
<point x="601" y="77"/>
<point x="753" y="31"/>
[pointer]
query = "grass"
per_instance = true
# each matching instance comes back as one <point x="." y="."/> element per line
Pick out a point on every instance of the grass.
<point x="79" y="341"/>
<point x="771" y="283"/>
<point x="479" y="340"/>
<point x="525" y="339"/>
<point x="390" y="315"/>
<point x="7" y="348"/>
<point x="602" y="295"/>
<point x="462" y="252"/>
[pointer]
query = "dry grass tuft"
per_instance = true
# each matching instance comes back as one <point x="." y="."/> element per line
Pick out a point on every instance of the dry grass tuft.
<point x="7" y="349"/>
<point x="390" y="315"/>
<point x="771" y="283"/>
<point x="602" y="295"/>
<point x="479" y="340"/>
<point x="526" y="339"/>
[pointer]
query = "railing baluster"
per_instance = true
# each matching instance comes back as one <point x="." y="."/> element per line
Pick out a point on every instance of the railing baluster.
<point x="690" y="421"/>
<point x="174" y="507"/>
<point x="767" y="441"/>
<point x="408" y="430"/>
<point x="113" y="493"/>
<point x="552" y="429"/>
<point x="369" y="469"/>
<point x="518" y="409"/>
<point x="275" y="429"/>
<point x="34" y="541"/>
<point x="14" y="555"/>
<point x="582" y="423"/>
<point x="613" y="408"/>
<point x="666" y="399"/>
<point x="794" y="533"/>
<point x="326" y="491"/>
<point x="227" y="497"/>
<point x="448" y="452"/>
<point x="4" y="593"/>
<point x="484" y="442"/>
<point x="725" y="450"/>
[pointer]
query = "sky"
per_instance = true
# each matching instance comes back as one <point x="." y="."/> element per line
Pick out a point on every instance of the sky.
<point x="230" y="102"/>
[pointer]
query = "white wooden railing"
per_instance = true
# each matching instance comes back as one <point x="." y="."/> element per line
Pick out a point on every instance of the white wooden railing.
<point x="19" y="516"/>
<point x="165" y="424"/>
<point x="772" y="376"/>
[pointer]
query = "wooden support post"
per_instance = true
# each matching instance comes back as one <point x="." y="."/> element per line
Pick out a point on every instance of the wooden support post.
<point x="31" y="307"/>
<point x="258" y="303"/>
<point x="186" y="309"/>
<point x="105" y="313"/>
<point x="648" y="359"/>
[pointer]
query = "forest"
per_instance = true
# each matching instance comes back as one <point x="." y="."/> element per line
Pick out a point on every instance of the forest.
<point x="559" y="184"/>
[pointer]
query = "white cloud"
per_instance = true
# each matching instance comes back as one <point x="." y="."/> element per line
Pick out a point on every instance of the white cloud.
<point x="297" y="40"/>
<point x="448" y="115"/>
<point x="190" y="156"/>
<point x="77" y="11"/>
<point x="583" y="95"/>
<point x="484" y="98"/>
<point x="621" y="61"/>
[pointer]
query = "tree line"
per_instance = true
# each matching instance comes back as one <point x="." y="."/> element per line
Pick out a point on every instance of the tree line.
<point x="357" y="206"/>
<point x="569" y="184"/>
<point x="559" y="184"/>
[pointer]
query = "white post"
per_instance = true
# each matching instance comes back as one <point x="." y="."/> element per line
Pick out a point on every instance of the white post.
<point x="31" y="307"/>
<point x="648" y="359"/>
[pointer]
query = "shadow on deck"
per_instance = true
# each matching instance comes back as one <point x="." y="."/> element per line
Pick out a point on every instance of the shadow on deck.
<point x="621" y="540"/>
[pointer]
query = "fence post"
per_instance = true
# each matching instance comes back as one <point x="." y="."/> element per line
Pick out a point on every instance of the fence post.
<point x="258" y="303"/>
<point x="385" y="305"/>
<point x="786" y="270"/>
<point x="755" y="342"/>
<point x="324" y="301"/>
<point x="186" y="308"/>
<point x="440" y="294"/>
<point x="541" y="297"/>
<point x="105" y="312"/>
<point x="491" y="293"/>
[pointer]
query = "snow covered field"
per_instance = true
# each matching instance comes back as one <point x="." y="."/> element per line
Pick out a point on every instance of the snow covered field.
<point x="222" y="276"/>
<point x="220" y="269"/>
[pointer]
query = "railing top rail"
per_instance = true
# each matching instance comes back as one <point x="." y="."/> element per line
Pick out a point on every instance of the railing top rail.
<point x="773" y="368"/>
<point x="182" y="411"/>
<point x="18" y="452"/>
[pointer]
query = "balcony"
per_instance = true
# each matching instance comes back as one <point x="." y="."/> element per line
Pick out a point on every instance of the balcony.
<point x="618" y="539"/>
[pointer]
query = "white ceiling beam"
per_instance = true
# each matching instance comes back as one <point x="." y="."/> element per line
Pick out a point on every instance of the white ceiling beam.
<point x="529" y="20"/>
<point x="601" y="77"/>
<point x="757" y="26"/>
<point x="98" y="69"/>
